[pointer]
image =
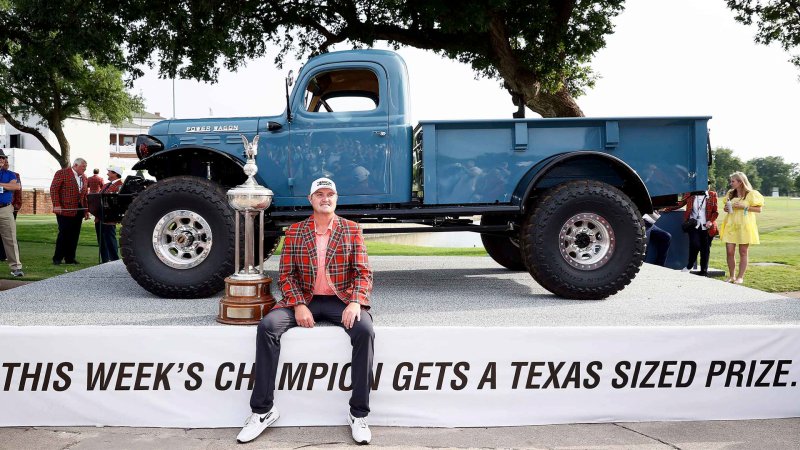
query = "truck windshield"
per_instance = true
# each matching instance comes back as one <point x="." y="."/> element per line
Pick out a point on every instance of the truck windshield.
<point x="342" y="90"/>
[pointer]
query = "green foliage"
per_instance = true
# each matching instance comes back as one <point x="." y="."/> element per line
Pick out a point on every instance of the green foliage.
<point x="58" y="60"/>
<point x="797" y="182"/>
<point x="774" y="173"/>
<point x="778" y="21"/>
<point x="723" y="165"/>
<point x="540" y="49"/>
<point x="752" y="175"/>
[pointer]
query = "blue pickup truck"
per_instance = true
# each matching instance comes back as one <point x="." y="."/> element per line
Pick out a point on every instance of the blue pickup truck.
<point x="559" y="198"/>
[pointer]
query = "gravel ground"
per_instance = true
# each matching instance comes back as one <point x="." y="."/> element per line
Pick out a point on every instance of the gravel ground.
<point x="419" y="291"/>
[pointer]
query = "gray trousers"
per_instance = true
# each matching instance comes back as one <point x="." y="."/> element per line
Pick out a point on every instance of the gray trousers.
<point x="8" y="233"/>
<point x="268" y="349"/>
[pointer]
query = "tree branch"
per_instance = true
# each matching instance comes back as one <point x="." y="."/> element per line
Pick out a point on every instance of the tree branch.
<point x="32" y="131"/>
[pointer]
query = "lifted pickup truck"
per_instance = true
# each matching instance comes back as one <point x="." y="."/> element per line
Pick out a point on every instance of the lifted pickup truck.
<point x="559" y="198"/>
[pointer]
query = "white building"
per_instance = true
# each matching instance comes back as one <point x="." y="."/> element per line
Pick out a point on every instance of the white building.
<point x="100" y="144"/>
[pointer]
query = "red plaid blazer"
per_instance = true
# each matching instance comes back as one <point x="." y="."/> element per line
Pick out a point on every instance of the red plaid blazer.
<point x="64" y="192"/>
<point x="111" y="187"/>
<point x="95" y="183"/>
<point x="16" y="200"/>
<point x="345" y="262"/>
<point x="711" y="210"/>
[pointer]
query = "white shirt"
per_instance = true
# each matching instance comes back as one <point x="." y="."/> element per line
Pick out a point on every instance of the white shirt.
<point x="699" y="210"/>
<point x="77" y="179"/>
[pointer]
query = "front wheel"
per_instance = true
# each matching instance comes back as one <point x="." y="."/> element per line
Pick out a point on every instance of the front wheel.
<point x="583" y="240"/>
<point x="177" y="238"/>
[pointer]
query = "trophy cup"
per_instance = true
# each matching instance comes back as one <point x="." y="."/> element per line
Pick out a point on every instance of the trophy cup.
<point x="247" y="292"/>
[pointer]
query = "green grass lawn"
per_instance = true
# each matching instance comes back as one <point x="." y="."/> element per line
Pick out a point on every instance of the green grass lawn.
<point x="779" y="225"/>
<point x="36" y="236"/>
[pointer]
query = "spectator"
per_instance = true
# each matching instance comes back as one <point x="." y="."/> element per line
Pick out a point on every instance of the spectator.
<point x="107" y="231"/>
<point x="8" y="226"/>
<point x="701" y="215"/>
<point x="739" y="226"/>
<point x="95" y="182"/>
<point x="68" y="194"/>
<point x="16" y="202"/>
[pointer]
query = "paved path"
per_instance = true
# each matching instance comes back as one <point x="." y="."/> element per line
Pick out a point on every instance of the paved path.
<point x="746" y="434"/>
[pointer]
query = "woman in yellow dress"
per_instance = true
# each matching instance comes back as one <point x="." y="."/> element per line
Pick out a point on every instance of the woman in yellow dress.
<point x="739" y="225"/>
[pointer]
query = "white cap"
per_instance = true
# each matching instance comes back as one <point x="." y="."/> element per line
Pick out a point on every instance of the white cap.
<point x="322" y="183"/>
<point x="117" y="169"/>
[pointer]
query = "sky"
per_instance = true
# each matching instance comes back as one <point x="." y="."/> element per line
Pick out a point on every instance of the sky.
<point x="665" y="58"/>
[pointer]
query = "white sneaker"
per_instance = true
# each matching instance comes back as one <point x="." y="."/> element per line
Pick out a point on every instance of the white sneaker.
<point x="684" y="270"/>
<point x="360" y="429"/>
<point x="256" y="424"/>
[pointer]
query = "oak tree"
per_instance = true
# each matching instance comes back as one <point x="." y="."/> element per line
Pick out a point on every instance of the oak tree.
<point x="777" y="21"/>
<point x="59" y="60"/>
<point x="540" y="50"/>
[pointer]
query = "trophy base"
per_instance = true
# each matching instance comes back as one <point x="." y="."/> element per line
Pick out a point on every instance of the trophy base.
<point x="245" y="301"/>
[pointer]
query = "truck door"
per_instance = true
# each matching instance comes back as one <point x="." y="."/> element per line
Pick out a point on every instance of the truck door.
<point x="340" y="130"/>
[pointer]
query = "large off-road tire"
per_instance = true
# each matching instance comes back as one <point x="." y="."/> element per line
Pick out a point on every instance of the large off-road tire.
<point x="504" y="250"/>
<point x="583" y="240"/>
<point x="177" y="238"/>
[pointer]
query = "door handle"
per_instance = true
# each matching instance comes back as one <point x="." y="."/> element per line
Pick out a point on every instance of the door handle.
<point x="379" y="133"/>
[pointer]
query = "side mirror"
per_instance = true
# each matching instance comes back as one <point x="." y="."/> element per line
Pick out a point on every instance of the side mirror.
<point x="273" y="126"/>
<point x="290" y="78"/>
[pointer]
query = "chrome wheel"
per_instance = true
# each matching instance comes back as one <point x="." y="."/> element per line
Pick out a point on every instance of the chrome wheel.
<point x="182" y="239"/>
<point x="586" y="241"/>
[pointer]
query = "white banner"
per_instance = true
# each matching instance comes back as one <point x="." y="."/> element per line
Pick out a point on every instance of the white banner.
<point x="451" y="377"/>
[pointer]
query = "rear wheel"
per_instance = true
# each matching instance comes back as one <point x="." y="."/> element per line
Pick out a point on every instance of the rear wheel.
<point x="504" y="250"/>
<point x="583" y="240"/>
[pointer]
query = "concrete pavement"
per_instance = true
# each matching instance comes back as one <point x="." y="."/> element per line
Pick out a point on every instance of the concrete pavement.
<point x="745" y="434"/>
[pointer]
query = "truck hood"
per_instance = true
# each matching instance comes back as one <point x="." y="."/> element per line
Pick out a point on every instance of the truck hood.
<point x="212" y="125"/>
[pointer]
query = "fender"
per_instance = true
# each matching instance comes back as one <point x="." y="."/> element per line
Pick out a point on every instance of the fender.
<point x="632" y="183"/>
<point x="195" y="160"/>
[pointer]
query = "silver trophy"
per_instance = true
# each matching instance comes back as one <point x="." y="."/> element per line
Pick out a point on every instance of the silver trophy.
<point x="250" y="199"/>
<point x="247" y="296"/>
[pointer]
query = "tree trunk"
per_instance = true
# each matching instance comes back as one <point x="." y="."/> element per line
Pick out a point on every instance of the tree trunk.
<point x="523" y="82"/>
<point x="560" y="104"/>
<point x="58" y="130"/>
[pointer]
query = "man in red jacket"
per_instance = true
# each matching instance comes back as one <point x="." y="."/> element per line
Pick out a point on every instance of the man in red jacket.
<point x="324" y="275"/>
<point x="68" y="194"/>
<point x="95" y="182"/>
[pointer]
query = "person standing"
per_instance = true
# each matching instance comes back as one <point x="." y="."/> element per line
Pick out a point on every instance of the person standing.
<point x="16" y="202"/>
<point x="68" y="194"/>
<point x="95" y="182"/>
<point x="739" y="226"/>
<point x="107" y="231"/>
<point x="324" y="275"/>
<point x="701" y="211"/>
<point x="8" y="225"/>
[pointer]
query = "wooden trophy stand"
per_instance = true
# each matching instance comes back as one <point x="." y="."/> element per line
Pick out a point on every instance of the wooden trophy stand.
<point x="245" y="301"/>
